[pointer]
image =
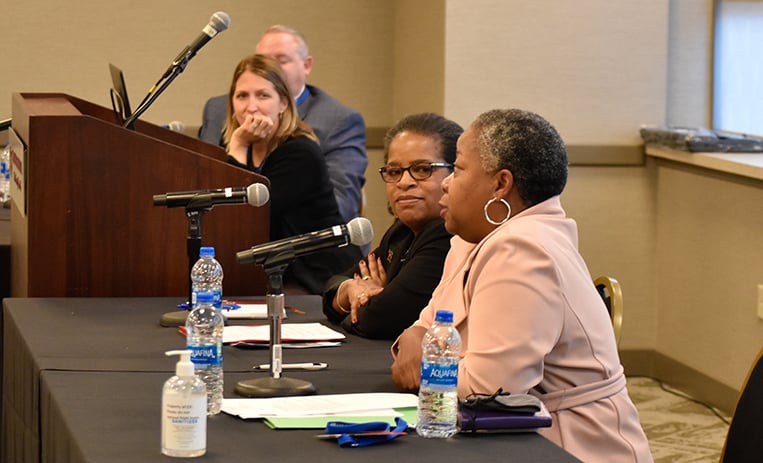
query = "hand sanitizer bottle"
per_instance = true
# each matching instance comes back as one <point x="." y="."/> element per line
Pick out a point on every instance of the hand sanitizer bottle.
<point x="184" y="411"/>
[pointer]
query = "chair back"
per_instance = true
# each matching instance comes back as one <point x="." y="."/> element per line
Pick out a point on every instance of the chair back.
<point x="743" y="438"/>
<point x="610" y="291"/>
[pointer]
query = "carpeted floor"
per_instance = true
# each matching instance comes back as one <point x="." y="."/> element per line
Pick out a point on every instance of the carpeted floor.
<point x="679" y="430"/>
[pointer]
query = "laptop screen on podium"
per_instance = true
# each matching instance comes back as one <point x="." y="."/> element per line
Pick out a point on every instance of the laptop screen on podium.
<point x="119" y="99"/>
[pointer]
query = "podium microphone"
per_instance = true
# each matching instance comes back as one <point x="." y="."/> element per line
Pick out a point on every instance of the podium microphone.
<point x="358" y="231"/>
<point x="255" y="194"/>
<point x="175" y="126"/>
<point x="219" y="22"/>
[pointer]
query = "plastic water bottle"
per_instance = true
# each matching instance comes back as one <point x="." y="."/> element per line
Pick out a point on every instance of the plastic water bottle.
<point x="204" y="338"/>
<point x="438" y="397"/>
<point x="207" y="275"/>
<point x="5" y="173"/>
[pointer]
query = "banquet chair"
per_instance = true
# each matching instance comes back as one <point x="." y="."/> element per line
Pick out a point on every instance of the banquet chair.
<point x="743" y="437"/>
<point x="610" y="291"/>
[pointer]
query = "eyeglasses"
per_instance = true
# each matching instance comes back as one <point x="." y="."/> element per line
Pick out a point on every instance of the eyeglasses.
<point x="417" y="170"/>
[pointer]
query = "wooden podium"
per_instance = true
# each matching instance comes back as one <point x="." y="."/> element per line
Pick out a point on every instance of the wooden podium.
<point x="86" y="225"/>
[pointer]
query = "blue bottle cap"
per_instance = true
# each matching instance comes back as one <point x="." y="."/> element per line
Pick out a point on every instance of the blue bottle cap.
<point x="445" y="316"/>
<point x="207" y="251"/>
<point x="205" y="297"/>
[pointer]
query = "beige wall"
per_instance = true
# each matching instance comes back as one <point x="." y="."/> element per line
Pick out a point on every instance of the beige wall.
<point x="709" y="265"/>
<point x="615" y="211"/>
<point x="419" y="57"/>
<point x="375" y="208"/>
<point x="362" y="50"/>
<point x="597" y="69"/>
<point x="690" y="64"/>
<point x="708" y="245"/>
<point x="66" y="47"/>
<point x="416" y="79"/>
<point x="594" y="68"/>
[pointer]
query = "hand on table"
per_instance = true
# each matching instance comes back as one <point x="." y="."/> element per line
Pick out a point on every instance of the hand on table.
<point x="406" y="369"/>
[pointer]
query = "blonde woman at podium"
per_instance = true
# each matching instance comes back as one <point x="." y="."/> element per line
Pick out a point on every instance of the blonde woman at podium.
<point x="263" y="133"/>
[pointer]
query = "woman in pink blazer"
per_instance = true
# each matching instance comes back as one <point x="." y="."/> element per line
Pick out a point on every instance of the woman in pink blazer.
<point x="530" y="318"/>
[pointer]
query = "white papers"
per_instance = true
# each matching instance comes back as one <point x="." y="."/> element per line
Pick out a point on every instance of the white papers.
<point x="247" y="311"/>
<point x="318" y="405"/>
<point x="290" y="332"/>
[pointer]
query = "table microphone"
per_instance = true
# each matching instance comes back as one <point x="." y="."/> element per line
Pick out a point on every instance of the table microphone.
<point x="196" y="203"/>
<point x="255" y="194"/>
<point x="358" y="231"/>
<point x="275" y="257"/>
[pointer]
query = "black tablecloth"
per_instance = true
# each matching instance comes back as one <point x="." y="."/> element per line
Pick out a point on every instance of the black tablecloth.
<point x="82" y="382"/>
<point x="5" y="272"/>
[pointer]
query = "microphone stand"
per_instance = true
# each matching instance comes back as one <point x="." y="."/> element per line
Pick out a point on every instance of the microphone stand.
<point x="178" y="67"/>
<point x="194" y="212"/>
<point x="275" y="385"/>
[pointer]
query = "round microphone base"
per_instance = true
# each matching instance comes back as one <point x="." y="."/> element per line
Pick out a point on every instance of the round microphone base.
<point x="174" y="319"/>
<point x="272" y="387"/>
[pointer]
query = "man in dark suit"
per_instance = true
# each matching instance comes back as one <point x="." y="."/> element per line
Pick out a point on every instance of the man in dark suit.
<point x="341" y="130"/>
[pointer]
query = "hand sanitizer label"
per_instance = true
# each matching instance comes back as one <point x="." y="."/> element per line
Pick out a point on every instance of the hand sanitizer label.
<point x="184" y="422"/>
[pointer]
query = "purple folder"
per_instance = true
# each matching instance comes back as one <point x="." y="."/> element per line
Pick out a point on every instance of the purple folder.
<point x="470" y="420"/>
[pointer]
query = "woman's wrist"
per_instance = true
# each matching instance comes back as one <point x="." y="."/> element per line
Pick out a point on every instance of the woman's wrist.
<point x="232" y="160"/>
<point x="337" y="298"/>
<point x="237" y="152"/>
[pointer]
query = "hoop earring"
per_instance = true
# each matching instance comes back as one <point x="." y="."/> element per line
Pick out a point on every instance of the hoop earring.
<point x="508" y="211"/>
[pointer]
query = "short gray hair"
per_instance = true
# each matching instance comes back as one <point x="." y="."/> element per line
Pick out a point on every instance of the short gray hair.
<point x="527" y="145"/>
<point x="302" y="47"/>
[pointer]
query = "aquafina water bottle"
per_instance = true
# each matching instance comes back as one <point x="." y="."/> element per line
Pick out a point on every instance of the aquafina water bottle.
<point x="438" y="396"/>
<point x="204" y="338"/>
<point x="207" y="275"/>
<point x="5" y="173"/>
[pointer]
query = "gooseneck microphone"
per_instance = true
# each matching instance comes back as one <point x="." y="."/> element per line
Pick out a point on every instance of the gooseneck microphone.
<point x="175" y="126"/>
<point x="219" y="22"/>
<point x="255" y="194"/>
<point x="358" y="231"/>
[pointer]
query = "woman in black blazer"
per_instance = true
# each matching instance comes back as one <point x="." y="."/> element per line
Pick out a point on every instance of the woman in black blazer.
<point x="383" y="294"/>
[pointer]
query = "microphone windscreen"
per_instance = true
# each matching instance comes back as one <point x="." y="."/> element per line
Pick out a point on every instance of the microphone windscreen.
<point x="219" y="21"/>
<point x="176" y="126"/>
<point x="361" y="231"/>
<point x="257" y="194"/>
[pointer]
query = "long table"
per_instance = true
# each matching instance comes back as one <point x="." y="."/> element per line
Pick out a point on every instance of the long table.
<point x="82" y="382"/>
<point x="5" y="273"/>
